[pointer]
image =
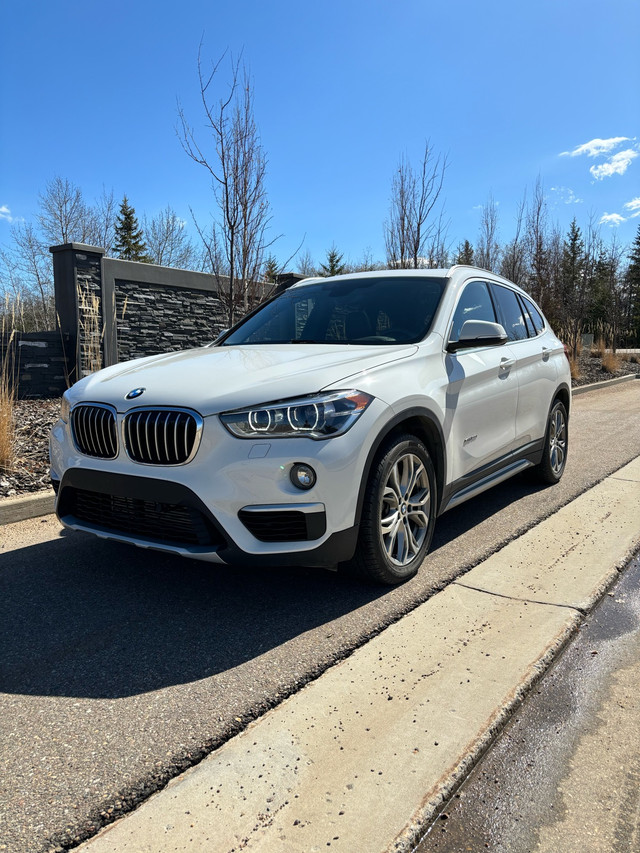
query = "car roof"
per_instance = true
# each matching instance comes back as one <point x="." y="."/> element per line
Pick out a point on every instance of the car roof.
<point x="461" y="270"/>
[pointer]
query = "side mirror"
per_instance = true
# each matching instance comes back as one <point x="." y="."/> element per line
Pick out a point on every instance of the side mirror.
<point x="478" y="333"/>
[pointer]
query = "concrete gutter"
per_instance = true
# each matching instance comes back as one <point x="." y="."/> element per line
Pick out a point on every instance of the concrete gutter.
<point x="362" y="758"/>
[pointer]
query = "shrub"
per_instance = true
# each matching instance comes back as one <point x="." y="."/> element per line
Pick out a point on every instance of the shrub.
<point x="610" y="362"/>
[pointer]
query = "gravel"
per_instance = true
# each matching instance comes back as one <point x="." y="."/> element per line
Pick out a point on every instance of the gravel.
<point x="591" y="369"/>
<point x="30" y="469"/>
<point x="34" y="419"/>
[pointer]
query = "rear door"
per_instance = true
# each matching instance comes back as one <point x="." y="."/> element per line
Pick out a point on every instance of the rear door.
<point x="535" y="369"/>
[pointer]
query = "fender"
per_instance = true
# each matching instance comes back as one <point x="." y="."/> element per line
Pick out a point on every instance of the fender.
<point x="429" y="430"/>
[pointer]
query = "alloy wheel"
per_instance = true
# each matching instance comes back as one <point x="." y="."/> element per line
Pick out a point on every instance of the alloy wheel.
<point x="404" y="518"/>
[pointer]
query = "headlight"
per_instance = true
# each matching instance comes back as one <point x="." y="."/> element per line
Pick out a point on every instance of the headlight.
<point x="320" y="416"/>
<point x="64" y="408"/>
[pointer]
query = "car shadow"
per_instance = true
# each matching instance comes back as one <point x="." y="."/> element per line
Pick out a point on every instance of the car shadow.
<point x="82" y="617"/>
<point x="88" y="618"/>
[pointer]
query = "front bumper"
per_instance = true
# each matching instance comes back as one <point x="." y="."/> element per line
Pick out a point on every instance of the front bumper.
<point x="230" y="494"/>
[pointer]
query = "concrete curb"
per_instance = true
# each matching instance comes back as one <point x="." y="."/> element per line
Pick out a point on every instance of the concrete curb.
<point x="363" y="757"/>
<point x="27" y="506"/>
<point x="583" y="389"/>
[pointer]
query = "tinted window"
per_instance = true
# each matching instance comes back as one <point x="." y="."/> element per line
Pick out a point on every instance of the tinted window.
<point x="355" y="311"/>
<point x="512" y="314"/>
<point x="534" y="315"/>
<point x="475" y="304"/>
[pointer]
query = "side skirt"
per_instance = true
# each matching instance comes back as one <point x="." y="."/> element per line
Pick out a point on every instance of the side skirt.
<point x="490" y="475"/>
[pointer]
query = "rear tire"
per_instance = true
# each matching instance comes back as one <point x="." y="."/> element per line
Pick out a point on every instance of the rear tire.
<point x="556" y="446"/>
<point x="398" y="514"/>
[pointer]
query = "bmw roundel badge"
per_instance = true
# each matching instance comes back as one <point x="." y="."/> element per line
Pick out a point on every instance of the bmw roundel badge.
<point x="137" y="392"/>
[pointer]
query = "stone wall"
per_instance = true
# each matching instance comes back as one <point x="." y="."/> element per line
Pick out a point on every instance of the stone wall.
<point x="153" y="319"/>
<point x="36" y="361"/>
<point x="114" y="310"/>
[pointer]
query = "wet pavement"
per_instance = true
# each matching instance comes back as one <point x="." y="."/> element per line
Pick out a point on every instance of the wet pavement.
<point x="565" y="773"/>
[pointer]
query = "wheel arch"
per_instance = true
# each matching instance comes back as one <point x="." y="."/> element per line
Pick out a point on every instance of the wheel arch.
<point x="563" y="393"/>
<point x="424" y="425"/>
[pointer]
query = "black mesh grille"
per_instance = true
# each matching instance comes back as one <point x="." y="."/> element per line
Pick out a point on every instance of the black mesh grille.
<point x="162" y="436"/>
<point x="94" y="430"/>
<point x="276" y="526"/>
<point x="160" y="522"/>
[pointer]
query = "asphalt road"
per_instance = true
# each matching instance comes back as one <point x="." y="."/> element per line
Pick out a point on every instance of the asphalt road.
<point x="121" y="667"/>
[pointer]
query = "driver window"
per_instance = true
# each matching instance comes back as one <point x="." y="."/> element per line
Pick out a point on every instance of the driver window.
<point x="474" y="304"/>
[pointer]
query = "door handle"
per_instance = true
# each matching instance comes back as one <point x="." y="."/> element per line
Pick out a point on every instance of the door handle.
<point x="507" y="363"/>
<point x="546" y="352"/>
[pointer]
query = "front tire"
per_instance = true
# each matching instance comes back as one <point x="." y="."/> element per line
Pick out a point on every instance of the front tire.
<point x="398" y="514"/>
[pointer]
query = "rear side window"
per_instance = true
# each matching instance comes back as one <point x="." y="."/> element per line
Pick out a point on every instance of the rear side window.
<point x="474" y="304"/>
<point x="512" y="313"/>
<point x="533" y="315"/>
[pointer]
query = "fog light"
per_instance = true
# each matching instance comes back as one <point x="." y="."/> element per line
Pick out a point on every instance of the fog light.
<point x="303" y="476"/>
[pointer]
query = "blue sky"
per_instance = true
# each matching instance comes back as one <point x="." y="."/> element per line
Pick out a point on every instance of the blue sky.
<point x="508" y="91"/>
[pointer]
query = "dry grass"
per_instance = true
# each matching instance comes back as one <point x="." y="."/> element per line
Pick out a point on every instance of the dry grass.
<point x="610" y="362"/>
<point x="7" y="404"/>
<point x="575" y="367"/>
<point x="90" y="332"/>
<point x="598" y="349"/>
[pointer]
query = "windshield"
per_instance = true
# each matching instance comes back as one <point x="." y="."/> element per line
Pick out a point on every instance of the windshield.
<point x="385" y="310"/>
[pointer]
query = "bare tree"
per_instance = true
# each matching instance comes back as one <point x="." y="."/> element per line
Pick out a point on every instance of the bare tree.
<point x="64" y="216"/>
<point x="487" y="251"/>
<point x="104" y="212"/>
<point x="410" y="229"/>
<point x="306" y="265"/>
<point x="233" y="157"/>
<point x="538" y="250"/>
<point x="167" y="240"/>
<point x="514" y="261"/>
<point x="32" y="272"/>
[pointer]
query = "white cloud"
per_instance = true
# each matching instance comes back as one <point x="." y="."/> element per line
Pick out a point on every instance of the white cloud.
<point x="5" y="213"/>
<point x="616" y="165"/>
<point x="596" y="147"/>
<point x="567" y="195"/>
<point x="612" y="219"/>
<point x="633" y="207"/>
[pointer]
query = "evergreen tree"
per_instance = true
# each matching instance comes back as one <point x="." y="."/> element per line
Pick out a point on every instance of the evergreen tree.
<point x="465" y="254"/>
<point x="129" y="245"/>
<point x="271" y="269"/>
<point x="573" y="284"/>
<point x="633" y="287"/>
<point x="334" y="265"/>
<point x="602" y="305"/>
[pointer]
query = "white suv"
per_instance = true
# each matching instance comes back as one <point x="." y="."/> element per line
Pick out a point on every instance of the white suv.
<point x="331" y="425"/>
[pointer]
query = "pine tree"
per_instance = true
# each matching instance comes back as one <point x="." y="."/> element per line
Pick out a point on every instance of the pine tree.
<point x="465" y="254"/>
<point x="129" y="245"/>
<point x="632" y="280"/>
<point x="334" y="265"/>
<point x="573" y="284"/>
<point x="271" y="269"/>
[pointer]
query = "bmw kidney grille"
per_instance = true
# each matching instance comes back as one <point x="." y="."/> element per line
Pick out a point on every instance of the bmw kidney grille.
<point x="162" y="436"/>
<point x="94" y="430"/>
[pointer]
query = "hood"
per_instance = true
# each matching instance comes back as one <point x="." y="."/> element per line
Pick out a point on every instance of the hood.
<point x="216" y="379"/>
